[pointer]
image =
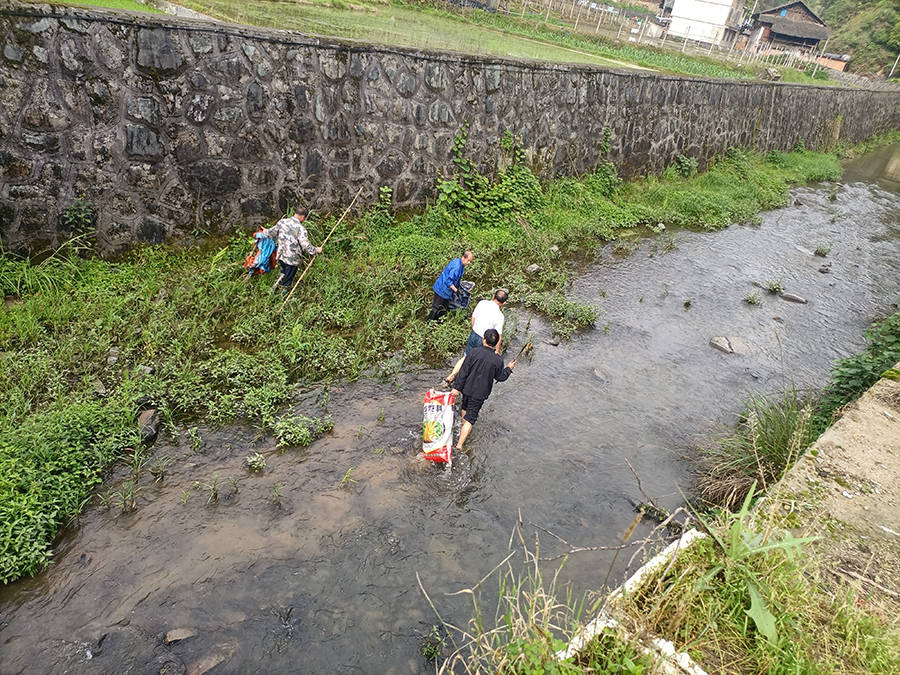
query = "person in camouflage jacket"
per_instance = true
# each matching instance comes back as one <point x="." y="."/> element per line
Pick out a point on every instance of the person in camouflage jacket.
<point x="293" y="241"/>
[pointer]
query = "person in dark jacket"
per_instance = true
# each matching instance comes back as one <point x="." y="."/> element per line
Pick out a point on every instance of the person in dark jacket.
<point x="447" y="284"/>
<point x="481" y="368"/>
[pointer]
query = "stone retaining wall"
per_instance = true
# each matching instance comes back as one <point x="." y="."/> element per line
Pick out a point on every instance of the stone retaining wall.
<point x="170" y="125"/>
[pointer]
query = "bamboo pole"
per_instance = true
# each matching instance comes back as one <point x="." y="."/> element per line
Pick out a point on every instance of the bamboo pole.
<point x="313" y="259"/>
<point x="894" y="67"/>
<point x="816" y="68"/>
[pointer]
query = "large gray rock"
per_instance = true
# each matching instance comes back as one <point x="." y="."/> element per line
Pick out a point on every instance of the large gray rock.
<point x="148" y="421"/>
<point x="178" y="634"/>
<point x="211" y="177"/>
<point x="730" y="345"/>
<point x="722" y="344"/>
<point x="791" y="297"/>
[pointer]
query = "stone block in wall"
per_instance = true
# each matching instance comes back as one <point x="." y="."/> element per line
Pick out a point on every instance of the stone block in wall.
<point x="436" y="75"/>
<point x="13" y="167"/>
<point x="145" y="108"/>
<point x="334" y="64"/>
<point x="256" y="99"/>
<point x="209" y="177"/>
<point x="152" y="231"/>
<point x="391" y="166"/>
<point x="12" y="52"/>
<point x="440" y="113"/>
<point x="41" y="142"/>
<point x="158" y="51"/>
<point x="313" y="166"/>
<point x="141" y="141"/>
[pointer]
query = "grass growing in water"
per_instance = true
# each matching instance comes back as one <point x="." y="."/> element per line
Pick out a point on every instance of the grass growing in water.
<point x="772" y="434"/>
<point x="533" y="620"/>
<point x="219" y="348"/>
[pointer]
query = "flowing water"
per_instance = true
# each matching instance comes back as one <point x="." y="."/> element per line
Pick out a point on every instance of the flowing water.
<point x="291" y="571"/>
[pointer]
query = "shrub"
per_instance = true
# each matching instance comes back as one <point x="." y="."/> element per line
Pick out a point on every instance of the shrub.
<point x="686" y="167"/>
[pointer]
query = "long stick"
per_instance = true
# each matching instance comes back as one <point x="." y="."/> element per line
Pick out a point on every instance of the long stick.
<point x="313" y="259"/>
<point x="525" y="349"/>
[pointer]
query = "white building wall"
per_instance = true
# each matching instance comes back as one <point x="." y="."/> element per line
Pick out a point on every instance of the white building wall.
<point x="702" y="20"/>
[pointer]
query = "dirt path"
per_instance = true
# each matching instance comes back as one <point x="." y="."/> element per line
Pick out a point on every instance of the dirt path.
<point x="846" y="491"/>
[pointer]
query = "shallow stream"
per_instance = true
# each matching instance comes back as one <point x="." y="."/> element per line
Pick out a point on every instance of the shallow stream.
<point x="323" y="577"/>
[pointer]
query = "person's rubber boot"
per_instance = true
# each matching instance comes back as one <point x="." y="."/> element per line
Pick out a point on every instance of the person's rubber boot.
<point x="277" y="282"/>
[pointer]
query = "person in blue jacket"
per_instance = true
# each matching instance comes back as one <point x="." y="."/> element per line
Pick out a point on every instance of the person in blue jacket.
<point x="447" y="284"/>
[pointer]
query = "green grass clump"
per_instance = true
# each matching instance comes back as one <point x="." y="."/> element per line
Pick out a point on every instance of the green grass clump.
<point x="300" y="431"/>
<point x="49" y="462"/>
<point x="773" y="432"/>
<point x="83" y="340"/>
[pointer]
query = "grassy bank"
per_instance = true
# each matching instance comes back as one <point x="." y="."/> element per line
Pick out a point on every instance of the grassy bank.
<point x="753" y="599"/>
<point x="85" y="343"/>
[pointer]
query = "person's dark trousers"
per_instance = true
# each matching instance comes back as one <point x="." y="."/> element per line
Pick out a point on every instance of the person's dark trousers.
<point x="439" y="307"/>
<point x="288" y="273"/>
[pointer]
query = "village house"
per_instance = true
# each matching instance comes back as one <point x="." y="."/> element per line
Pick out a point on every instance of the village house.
<point x="707" y="21"/>
<point x="789" y="27"/>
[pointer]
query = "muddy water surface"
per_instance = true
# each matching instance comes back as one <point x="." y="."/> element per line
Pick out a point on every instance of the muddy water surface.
<point x="291" y="571"/>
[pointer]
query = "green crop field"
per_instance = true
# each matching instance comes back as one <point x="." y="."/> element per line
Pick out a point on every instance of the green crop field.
<point x="394" y="24"/>
<point x="130" y="5"/>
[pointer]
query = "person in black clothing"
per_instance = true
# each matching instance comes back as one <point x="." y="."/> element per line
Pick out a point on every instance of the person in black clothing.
<point x="482" y="366"/>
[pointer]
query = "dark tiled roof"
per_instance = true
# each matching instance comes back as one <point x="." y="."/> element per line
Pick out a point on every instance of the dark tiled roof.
<point x="792" y="28"/>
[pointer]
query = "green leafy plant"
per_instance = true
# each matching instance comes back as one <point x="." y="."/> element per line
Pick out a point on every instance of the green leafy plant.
<point x="773" y="287"/>
<point x="752" y="299"/>
<point x="432" y="644"/>
<point x="822" y="250"/>
<point x="211" y="488"/>
<point x="196" y="440"/>
<point x="850" y="377"/>
<point x="300" y="431"/>
<point x="78" y="217"/>
<point x="348" y="479"/>
<point x="126" y="495"/>
<point x="255" y="462"/>
<point x="688" y="302"/>
<point x="158" y="467"/>
<point x="484" y="201"/>
<point x="685" y="167"/>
